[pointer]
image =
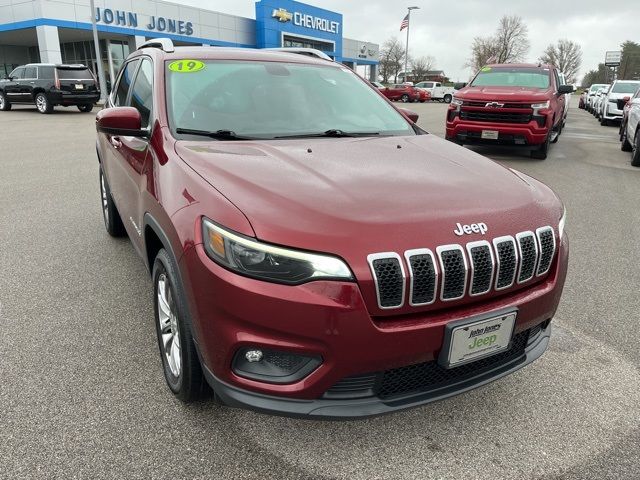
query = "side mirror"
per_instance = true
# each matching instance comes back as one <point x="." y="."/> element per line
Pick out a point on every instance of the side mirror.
<point x="123" y="121"/>
<point x="459" y="85"/>
<point x="625" y="100"/>
<point x="564" y="89"/>
<point x="411" y="115"/>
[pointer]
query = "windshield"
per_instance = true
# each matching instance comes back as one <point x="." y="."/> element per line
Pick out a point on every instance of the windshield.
<point x="596" y="86"/>
<point x="512" y="77"/>
<point x="627" y="87"/>
<point x="269" y="100"/>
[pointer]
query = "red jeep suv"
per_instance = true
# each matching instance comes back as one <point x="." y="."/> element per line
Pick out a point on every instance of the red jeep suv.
<point x="313" y="252"/>
<point x="510" y="104"/>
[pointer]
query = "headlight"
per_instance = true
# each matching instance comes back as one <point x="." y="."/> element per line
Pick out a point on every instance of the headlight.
<point x="540" y="106"/>
<point x="456" y="101"/>
<point x="267" y="262"/>
<point x="563" y="220"/>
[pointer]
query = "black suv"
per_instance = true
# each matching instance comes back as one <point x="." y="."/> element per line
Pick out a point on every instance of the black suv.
<point x="48" y="85"/>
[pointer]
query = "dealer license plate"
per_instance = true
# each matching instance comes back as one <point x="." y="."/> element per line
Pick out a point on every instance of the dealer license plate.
<point x="79" y="86"/>
<point x="471" y="341"/>
<point x="489" y="134"/>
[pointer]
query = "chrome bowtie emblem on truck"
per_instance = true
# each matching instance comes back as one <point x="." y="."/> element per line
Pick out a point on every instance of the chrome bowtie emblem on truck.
<point x="480" y="228"/>
<point x="494" y="105"/>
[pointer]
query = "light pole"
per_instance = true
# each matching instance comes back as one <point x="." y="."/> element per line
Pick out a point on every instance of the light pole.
<point x="101" y="81"/>
<point x="406" y="51"/>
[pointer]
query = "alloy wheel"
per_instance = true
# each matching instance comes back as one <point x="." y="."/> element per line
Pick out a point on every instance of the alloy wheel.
<point x="168" y="321"/>
<point x="41" y="103"/>
<point x="105" y="203"/>
<point x="1" y="102"/>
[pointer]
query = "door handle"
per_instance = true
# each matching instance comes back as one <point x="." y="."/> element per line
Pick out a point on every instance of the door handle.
<point x="115" y="141"/>
<point x="32" y="83"/>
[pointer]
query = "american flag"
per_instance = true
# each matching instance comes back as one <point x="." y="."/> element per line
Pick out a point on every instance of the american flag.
<point x="405" y="23"/>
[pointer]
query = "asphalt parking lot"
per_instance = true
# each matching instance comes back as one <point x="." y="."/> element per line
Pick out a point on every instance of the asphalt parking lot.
<point x="82" y="393"/>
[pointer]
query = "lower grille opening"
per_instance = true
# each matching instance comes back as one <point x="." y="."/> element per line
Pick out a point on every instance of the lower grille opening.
<point x="428" y="376"/>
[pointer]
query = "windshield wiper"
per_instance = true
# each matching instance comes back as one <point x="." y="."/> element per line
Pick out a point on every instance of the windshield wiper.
<point x="218" y="134"/>
<point x="334" y="132"/>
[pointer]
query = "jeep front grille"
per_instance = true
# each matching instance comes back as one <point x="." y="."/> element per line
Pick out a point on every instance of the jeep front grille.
<point x="423" y="277"/>
<point x="454" y="271"/>
<point x="389" y="277"/>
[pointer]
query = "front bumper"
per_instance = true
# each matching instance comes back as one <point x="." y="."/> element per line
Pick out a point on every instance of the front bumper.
<point x="525" y="134"/>
<point x="611" y="112"/>
<point x="371" y="406"/>
<point x="330" y="320"/>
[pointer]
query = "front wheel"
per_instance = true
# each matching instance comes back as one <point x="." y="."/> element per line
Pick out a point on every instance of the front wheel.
<point x="404" y="98"/>
<point x="447" y="98"/>
<point x="635" y="156"/>
<point x="43" y="104"/>
<point x="182" y="369"/>
<point x="543" y="150"/>
<point x="87" y="107"/>
<point x="4" y="103"/>
<point x="625" y="145"/>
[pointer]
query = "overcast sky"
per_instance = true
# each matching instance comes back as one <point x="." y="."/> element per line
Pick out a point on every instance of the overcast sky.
<point x="445" y="29"/>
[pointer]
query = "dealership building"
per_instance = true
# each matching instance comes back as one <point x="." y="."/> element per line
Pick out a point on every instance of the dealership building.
<point x="59" y="31"/>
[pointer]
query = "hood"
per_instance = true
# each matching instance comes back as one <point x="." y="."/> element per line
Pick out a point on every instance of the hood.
<point x="507" y="94"/>
<point x="350" y="196"/>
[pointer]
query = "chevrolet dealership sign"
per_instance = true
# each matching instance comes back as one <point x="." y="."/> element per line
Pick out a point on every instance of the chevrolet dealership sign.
<point x="307" y="21"/>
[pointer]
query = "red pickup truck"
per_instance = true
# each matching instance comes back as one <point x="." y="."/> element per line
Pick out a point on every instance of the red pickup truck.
<point x="510" y="104"/>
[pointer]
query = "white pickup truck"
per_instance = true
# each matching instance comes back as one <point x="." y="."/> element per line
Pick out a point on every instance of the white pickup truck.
<point x="437" y="91"/>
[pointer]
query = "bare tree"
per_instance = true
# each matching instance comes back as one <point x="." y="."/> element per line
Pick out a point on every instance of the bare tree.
<point x="483" y="51"/>
<point x="512" y="40"/>
<point x="566" y="56"/>
<point x="421" y="66"/>
<point x="391" y="59"/>
<point x="510" y="43"/>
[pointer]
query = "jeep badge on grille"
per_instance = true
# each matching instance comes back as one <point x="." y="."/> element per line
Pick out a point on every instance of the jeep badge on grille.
<point x="480" y="228"/>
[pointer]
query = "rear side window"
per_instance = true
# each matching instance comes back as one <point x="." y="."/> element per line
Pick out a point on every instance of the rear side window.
<point x="74" y="74"/>
<point x="17" y="73"/>
<point x="30" y="72"/>
<point x="142" y="92"/>
<point x="122" y="90"/>
<point x="45" y="73"/>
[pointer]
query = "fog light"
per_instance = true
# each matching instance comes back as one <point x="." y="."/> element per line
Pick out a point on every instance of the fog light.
<point x="271" y="366"/>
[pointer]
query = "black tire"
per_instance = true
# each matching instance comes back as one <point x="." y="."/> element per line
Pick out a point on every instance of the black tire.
<point x="112" y="221"/>
<point x="404" y="98"/>
<point x="5" y="105"/>
<point x="625" y="145"/>
<point x="87" y="107"/>
<point x="42" y="103"/>
<point x="454" y="140"/>
<point x="542" y="151"/>
<point x="189" y="384"/>
<point x="447" y="98"/>
<point x="635" y="156"/>
<point x="603" y="121"/>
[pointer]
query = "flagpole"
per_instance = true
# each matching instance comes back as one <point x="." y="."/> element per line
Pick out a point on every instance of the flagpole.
<point x="406" y="51"/>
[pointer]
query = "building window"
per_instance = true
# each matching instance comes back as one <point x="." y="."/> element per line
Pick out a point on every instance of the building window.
<point x="296" y="42"/>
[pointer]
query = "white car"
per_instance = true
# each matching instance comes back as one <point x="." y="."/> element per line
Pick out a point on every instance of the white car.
<point x="437" y="91"/>
<point x="567" y="96"/>
<point x="631" y="134"/>
<point x="593" y="89"/>
<point x="378" y="85"/>
<point x="597" y="100"/>
<point x="613" y="102"/>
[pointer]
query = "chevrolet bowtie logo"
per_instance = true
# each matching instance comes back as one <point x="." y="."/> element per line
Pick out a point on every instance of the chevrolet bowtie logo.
<point x="282" y="15"/>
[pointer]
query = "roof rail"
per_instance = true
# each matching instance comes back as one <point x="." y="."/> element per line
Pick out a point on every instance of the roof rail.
<point x="164" y="44"/>
<point x="309" y="52"/>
